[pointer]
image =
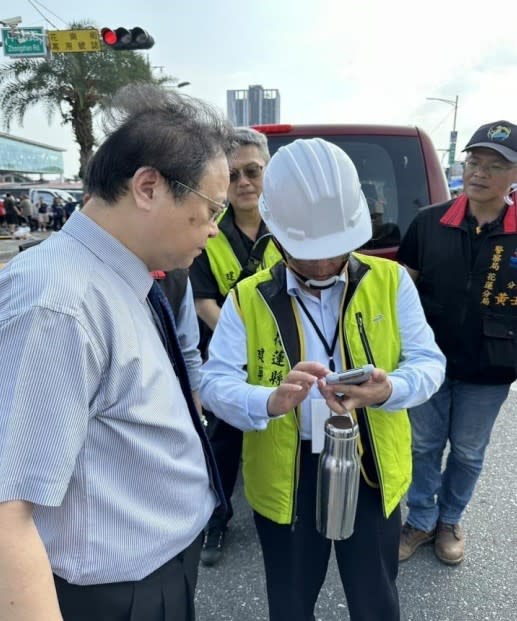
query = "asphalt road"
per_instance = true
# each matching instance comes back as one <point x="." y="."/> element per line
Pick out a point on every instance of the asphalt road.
<point x="482" y="588"/>
<point x="9" y="247"/>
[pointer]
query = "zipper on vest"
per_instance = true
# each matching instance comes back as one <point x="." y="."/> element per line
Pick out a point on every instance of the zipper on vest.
<point x="294" y="516"/>
<point x="364" y="338"/>
<point x="369" y="357"/>
<point x="464" y="308"/>
<point x="468" y="287"/>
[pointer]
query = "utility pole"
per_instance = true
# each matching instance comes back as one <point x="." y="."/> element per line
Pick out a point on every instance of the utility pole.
<point x="454" y="134"/>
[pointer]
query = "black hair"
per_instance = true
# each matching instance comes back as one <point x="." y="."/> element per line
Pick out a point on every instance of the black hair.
<point x="150" y="126"/>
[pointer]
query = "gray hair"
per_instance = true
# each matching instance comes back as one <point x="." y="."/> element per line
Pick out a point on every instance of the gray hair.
<point x="247" y="136"/>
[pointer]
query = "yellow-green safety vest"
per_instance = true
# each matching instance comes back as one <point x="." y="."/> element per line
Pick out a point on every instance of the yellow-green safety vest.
<point x="225" y="266"/>
<point x="370" y="320"/>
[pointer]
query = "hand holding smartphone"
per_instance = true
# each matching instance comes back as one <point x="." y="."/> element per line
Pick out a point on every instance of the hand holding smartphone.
<point x="351" y="376"/>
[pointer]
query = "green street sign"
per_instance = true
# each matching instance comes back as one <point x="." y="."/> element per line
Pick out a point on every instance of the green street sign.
<point x="24" y="42"/>
<point x="452" y="147"/>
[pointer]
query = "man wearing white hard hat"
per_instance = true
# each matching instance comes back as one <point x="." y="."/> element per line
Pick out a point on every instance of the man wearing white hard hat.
<point x="280" y="332"/>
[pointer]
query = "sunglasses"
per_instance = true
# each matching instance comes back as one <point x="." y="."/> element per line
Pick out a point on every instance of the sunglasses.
<point x="252" y="171"/>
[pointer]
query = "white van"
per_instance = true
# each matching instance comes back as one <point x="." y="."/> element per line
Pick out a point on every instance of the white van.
<point x="36" y="192"/>
<point x="48" y="195"/>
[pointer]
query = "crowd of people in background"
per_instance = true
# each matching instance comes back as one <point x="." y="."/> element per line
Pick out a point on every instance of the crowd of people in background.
<point x="112" y="488"/>
<point x="19" y="211"/>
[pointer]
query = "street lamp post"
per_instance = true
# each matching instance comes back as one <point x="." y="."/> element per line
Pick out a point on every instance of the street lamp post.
<point x="161" y="68"/>
<point x="454" y="134"/>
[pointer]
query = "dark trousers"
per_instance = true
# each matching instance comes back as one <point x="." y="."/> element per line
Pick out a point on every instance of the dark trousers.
<point x="296" y="560"/>
<point x="165" y="595"/>
<point x="226" y="444"/>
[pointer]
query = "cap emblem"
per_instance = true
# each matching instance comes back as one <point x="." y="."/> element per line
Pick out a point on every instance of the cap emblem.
<point x="499" y="133"/>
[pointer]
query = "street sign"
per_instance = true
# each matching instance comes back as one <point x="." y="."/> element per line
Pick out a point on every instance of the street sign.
<point x="24" y="42"/>
<point x="452" y="147"/>
<point x="64" y="41"/>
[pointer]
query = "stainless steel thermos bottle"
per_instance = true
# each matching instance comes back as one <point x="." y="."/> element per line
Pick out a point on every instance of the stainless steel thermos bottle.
<point x="338" y="478"/>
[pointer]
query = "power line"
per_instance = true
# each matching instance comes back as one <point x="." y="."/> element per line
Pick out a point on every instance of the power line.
<point x="441" y="122"/>
<point x="42" y="14"/>
<point x="49" y="11"/>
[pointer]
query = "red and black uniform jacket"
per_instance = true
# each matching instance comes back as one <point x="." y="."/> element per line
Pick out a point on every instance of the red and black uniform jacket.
<point x="468" y="287"/>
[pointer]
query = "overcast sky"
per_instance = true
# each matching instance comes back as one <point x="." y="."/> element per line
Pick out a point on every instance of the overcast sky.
<point x="334" y="61"/>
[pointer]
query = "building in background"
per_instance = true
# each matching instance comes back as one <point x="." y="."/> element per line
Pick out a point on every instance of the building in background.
<point x="21" y="156"/>
<point x="253" y="106"/>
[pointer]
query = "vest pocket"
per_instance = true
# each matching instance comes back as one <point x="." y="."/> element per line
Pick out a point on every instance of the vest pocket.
<point x="499" y="346"/>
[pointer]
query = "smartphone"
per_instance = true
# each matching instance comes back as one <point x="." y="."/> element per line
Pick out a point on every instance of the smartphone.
<point x="352" y="376"/>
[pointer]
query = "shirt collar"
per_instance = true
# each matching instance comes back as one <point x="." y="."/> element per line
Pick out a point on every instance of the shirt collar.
<point x="111" y="252"/>
<point x="489" y="226"/>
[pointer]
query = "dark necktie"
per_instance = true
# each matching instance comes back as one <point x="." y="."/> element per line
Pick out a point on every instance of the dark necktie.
<point x="165" y="316"/>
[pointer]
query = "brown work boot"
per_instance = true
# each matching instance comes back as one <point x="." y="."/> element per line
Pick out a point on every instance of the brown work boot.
<point x="449" y="546"/>
<point x="411" y="538"/>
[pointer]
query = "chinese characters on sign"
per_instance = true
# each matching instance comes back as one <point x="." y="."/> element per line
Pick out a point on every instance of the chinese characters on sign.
<point x="63" y="41"/>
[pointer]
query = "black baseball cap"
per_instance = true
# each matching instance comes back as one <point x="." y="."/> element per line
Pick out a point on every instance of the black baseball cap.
<point x="500" y="136"/>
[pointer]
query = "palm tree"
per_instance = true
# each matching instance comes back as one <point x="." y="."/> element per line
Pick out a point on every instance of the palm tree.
<point x="74" y="84"/>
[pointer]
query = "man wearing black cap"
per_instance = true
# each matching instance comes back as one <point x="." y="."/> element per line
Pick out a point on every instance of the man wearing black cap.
<point x="463" y="257"/>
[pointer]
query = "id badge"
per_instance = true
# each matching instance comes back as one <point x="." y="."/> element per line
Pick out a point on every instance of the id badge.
<point x="320" y="411"/>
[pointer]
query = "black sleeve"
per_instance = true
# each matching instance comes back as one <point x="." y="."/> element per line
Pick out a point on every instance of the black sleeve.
<point x="408" y="251"/>
<point x="204" y="284"/>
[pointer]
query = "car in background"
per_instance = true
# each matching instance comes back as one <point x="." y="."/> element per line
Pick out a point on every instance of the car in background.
<point x="78" y="196"/>
<point x="48" y="194"/>
<point x="398" y="167"/>
<point x="35" y="192"/>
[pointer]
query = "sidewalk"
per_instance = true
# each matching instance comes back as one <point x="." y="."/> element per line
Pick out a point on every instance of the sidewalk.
<point x="10" y="247"/>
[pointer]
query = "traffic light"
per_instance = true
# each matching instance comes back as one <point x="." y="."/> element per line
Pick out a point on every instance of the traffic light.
<point x="124" y="39"/>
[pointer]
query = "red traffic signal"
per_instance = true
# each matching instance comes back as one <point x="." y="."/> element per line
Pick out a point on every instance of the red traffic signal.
<point x="124" y="39"/>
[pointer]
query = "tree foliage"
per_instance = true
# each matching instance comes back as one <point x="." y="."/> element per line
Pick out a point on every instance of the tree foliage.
<point x="75" y="85"/>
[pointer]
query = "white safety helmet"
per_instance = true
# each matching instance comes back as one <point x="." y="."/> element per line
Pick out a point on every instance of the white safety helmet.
<point x="312" y="201"/>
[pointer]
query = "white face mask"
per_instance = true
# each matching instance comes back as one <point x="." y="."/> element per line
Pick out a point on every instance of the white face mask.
<point x="319" y="285"/>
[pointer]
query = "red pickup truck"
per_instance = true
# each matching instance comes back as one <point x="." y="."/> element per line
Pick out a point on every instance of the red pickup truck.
<point x="398" y="167"/>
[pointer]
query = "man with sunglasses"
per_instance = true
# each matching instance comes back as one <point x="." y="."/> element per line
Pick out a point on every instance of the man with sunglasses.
<point x="324" y="307"/>
<point x="241" y="247"/>
<point x="463" y="257"/>
<point x="107" y="478"/>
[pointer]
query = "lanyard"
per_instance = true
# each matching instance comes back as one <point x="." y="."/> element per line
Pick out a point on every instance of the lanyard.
<point x="329" y="349"/>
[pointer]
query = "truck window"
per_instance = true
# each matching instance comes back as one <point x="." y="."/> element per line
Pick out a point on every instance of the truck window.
<point x="393" y="178"/>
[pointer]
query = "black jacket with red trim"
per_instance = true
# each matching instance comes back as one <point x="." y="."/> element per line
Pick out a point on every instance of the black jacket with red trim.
<point x="470" y="300"/>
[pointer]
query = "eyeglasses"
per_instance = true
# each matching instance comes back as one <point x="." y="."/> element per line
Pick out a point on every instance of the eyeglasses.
<point x="220" y="206"/>
<point x="252" y="171"/>
<point x="494" y="170"/>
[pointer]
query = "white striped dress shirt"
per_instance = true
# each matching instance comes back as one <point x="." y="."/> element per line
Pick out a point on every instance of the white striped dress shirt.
<point x="94" y="428"/>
